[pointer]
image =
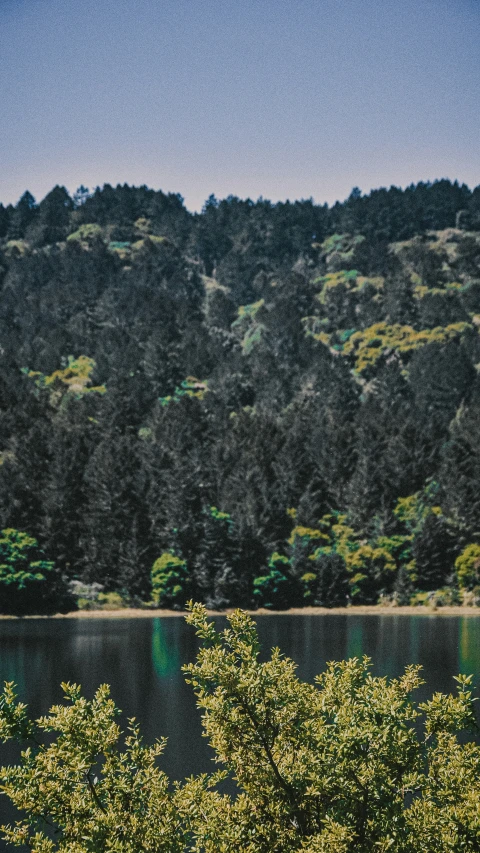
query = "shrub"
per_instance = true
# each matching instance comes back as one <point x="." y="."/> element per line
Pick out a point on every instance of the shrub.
<point x="340" y="766"/>
<point x="467" y="566"/>
<point x="169" y="581"/>
<point x="111" y="601"/>
<point x="28" y="582"/>
<point x="273" y="589"/>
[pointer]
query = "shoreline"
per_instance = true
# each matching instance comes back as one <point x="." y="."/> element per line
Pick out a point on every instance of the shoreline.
<point x="354" y="610"/>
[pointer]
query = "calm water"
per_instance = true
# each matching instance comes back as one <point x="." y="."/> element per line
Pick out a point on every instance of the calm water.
<point x="141" y="659"/>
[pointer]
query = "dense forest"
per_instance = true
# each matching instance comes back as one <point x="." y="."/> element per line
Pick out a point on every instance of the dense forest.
<point x="259" y="405"/>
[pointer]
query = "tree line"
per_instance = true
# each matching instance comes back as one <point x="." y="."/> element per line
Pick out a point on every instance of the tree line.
<point x="259" y="404"/>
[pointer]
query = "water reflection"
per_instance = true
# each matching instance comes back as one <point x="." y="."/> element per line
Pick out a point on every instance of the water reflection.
<point x="355" y="643"/>
<point x="469" y="646"/>
<point x="165" y="658"/>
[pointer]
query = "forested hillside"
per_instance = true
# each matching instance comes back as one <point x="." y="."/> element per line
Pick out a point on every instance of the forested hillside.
<point x="270" y="404"/>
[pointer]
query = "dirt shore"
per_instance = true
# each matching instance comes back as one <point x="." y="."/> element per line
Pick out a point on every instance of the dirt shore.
<point x="359" y="610"/>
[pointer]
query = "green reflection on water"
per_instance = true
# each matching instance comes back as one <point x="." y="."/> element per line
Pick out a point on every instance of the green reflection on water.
<point x="13" y="668"/>
<point x="165" y="656"/>
<point x="469" y="646"/>
<point x="355" y="643"/>
<point x="414" y="637"/>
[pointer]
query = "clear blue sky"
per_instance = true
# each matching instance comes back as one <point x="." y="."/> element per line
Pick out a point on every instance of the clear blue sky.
<point x="280" y="98"/>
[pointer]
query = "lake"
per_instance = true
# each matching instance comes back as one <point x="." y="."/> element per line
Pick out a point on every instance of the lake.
<point x="141" y="659"/>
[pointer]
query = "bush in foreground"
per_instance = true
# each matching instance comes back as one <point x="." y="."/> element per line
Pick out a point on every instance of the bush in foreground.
<point x="338" y="766"/>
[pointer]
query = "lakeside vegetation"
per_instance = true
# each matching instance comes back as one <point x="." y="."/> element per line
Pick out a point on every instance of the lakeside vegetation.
<point x="265" y="405"/>
<point x="350" y="764"/>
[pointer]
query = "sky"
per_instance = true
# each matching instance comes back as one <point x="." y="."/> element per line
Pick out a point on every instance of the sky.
<point x="274" y="98"/>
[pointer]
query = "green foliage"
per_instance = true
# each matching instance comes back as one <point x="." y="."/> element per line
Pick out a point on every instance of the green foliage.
<point x="367" y="565"/>
<point x="339" y="249"/>
<point x="17" y="566"/>
<point x="144" y="242"/>
<point x="111" y="601"/>
<point x="27" y="580"/>
<point x="350" y="764"/>
<point x="75" y="378"/>
<point x="190" y="387"/>
<point x="86" y="233"/>
<point x="273" y="590"/>
<point x="169" y="581"/>
<point x="119" y="245"/>
<point x="100" y="796"/>
<point x="430" y="544"/>
<point x="237" y="295"/>
<point x="367" y="347"/>
<point x="345" y="283"/>
<point x="220" y="516"/>
<point x="16" y="248"/>
<point x="249" y="325"/>
<point x="337" y="564"/>
<point x="467" y="566"/>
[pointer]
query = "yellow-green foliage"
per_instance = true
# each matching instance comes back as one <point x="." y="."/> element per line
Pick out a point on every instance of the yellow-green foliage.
<point x="86" y="233"/>
<point x="145" y="434"/>
<point x="446" y="596"/>
<point x="306" y="534"/>
<point x="349" y="764"/>
<point x="362" y="559"/>
<point x="308" y="580"/>
<point x="278" y="560"/>
<point x="143" y="226"/>
<point x="168" y="576"/>
<point x="339" y="249"/>
<point x="348" y="281"/>
<point x="125" y="806"/>
<point x="413" y="510"/>
<point x="153" y="239"/>
<point x="111" y="601"/>
<point x="467" y="566"/>
<point x="220" y="516"/>
<point x="249" y="325"/>
<point x="368" y="346"/>
<point x="190" y="387"/>
<point x="75" y="379"/>
<point x="370" y="562"/>
<point x="420" y="291"/>
<point x="6" y="456"/>
<point x="303" y="542"/>
<point x="16" y="247"/>
<point x="248" y="312"/>
<point x="102" y="601"/>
